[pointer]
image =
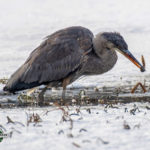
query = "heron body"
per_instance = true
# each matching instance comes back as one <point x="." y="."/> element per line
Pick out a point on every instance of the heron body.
<point x="66" y="55"/>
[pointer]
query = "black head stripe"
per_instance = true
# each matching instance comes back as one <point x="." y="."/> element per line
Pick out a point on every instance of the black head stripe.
<point x="116" y="39"/>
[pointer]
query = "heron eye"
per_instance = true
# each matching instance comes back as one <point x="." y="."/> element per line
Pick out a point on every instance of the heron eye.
<point x="117" y="45"/>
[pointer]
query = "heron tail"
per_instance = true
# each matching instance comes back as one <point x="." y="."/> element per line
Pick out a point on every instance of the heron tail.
<point x="16" y="82"/>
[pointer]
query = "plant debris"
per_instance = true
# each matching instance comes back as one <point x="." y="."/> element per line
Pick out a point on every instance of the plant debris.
<point x="13" y="122"/>
<point x="60" y="132"/>
<point x="147" y="107"/>
<point x="3" y="81"/>
<point x="110" y="105"/>
<point x="143" y="61"/>
<point x="104" y="142"/>
<point x="65" y="115"/>
<point x="33" y="118"/>
<point x="138" y="84"/>
<point x="126" y="126"/>
<point x="9" y="120"/>
<point x="88" y="110"/>
<point x="132" y="111"/>
<point x="76" y="145"/>
<point x="83" y="130"/>
<point x="70" y="135"/>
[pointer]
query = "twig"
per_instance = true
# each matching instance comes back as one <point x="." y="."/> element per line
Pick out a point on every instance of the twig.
<point x="104" y="142"/>
<point x="9" y="120"/>
<point x="143" y="61"/>
<point x="135" y="87"/>
<point x="65" y="116"/>
<point x="34" y="118"/>
<point x="76" y="145"/>
<point x="14" y="122"/>
<point x="126" y="126"/>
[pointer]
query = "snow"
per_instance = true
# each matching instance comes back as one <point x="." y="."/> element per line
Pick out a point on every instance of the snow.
<point x="106" y="124"/>
<point x="24" y="24"/>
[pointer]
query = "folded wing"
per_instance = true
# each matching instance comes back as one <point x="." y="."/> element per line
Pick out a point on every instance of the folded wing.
<point x="49" y="62"/>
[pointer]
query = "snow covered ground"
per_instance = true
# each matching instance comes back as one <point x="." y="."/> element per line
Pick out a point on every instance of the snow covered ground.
<point x="123" y="127"/>
<point x="24" y="24"/>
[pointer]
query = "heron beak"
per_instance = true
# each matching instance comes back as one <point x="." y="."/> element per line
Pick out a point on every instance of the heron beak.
<point x="128" y="54"/>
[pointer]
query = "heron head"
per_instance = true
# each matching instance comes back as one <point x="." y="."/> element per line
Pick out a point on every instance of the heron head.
<point x="114" y="41"/>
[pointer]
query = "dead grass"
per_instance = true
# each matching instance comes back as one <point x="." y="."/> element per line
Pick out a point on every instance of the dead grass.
<point x="33" y="118"/>
<point x="65" y="114"/>
<point x="3" y="81"/>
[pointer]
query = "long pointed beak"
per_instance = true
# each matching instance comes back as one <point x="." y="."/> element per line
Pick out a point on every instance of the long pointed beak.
<point x="129" y="55"/>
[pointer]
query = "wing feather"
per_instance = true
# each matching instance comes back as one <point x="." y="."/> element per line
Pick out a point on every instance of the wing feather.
<point x="59" y="55"/>
<point x="54" y="62"/>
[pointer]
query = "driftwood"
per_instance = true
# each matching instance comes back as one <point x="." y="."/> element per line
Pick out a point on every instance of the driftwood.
<point x="78" y="96"/>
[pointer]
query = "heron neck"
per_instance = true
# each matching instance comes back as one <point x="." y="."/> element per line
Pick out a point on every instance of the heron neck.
<point x="95" y="65"/>
<point x="107" y="57"/>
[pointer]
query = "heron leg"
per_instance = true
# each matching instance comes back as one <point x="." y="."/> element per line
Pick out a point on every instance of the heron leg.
<point x="63" y="96"/>
<point x="66" y="81"/>
<point x="30" y="91"/>
<point x="41" y="96"/>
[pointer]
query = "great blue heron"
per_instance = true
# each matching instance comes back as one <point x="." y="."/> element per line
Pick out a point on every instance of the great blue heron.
<point x="66" y="55"/>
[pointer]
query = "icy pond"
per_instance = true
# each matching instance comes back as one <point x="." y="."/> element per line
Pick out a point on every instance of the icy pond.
<point x="23" y="26"/>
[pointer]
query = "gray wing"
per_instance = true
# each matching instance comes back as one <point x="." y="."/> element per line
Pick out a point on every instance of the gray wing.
<point x="58" y="56"/>
<point x="52" y="62"/>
